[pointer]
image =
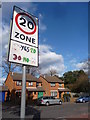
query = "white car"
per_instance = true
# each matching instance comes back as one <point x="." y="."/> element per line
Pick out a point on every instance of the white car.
<point x="47" y="100"/>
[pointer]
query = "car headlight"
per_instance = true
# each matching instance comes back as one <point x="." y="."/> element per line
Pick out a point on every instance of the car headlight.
<point x="80" y="100"/>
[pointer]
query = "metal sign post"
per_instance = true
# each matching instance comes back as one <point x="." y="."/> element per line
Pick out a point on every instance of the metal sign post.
<point x="23" y="96"/>
<point x="23" y="45"/>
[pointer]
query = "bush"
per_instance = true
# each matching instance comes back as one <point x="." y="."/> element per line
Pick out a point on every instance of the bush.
<point x="76" y="95"/>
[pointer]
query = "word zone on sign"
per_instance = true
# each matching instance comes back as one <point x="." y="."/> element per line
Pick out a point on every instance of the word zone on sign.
<point x="25" y="28"/>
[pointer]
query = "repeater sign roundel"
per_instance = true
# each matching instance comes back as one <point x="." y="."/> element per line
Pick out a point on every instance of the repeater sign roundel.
<point x="24" y="38"/>
<point x="27" y="27"/>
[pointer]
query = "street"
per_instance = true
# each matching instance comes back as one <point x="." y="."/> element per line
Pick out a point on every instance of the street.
<point x="66" y="110"/>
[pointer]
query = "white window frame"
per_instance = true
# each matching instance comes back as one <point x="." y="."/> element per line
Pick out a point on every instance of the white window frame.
<point x="30" y="83"/>
<point x="52" y="84"/>
<point x="54" y="93"/>
<point x="60" y="85"/>
<point x="37" y="84"/>
<point x="19" y="83"/>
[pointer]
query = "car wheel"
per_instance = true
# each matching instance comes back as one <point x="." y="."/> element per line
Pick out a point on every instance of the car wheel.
<point x="47" y="103"/>
<point x="60" y="102"/>
<point x="83" y="101"/>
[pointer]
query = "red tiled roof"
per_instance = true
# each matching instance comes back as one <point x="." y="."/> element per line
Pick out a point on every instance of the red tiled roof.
<point x="52" y="79"/>
<point x="37" y="89"/>
<point x="18" y="76"/>
<point x="64" y="90"/>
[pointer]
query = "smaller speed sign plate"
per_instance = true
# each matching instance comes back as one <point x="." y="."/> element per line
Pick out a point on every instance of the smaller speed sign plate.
<point x="24" y="27"/>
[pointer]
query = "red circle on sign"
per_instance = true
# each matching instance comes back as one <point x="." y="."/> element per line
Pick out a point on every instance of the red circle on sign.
<point x="16" y="20"/>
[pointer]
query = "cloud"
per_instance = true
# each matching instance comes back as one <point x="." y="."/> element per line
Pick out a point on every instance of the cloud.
<point x="79" y="65"/>
<point x="82" y="66"/>
<point x="73" y="62"/>
<point x="42" y="26"/>
<point x="6" y="46"/>
<point x="2" y="80"/>
<point x="4" y="37"/>
<point x="50" y="60"/>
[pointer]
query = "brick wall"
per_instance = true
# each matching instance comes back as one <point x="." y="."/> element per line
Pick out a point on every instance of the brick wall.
<point x="45" y="86"/>
<point x="10" y="83"/>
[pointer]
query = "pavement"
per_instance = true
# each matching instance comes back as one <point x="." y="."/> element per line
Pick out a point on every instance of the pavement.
<point x="65" y="111"/>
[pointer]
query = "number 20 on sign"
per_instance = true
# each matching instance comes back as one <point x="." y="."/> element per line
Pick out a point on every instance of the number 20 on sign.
<point x="25" y="28"/>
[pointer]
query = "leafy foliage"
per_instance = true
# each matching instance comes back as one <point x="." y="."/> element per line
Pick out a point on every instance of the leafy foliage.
<point x="71" y="77"/>
<point x="77" y="81"/>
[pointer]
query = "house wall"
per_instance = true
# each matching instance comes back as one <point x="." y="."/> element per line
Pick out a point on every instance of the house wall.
<point x="40" y="84"/>
<point x="13" y="85"/>
<point x="16" y="86"/>
<point x="35" y="96"/>
<point x="10" y="83"/>
<point x="45" y="86"/>
<point x="34" y="84"/>
<point x="56" y="89"/>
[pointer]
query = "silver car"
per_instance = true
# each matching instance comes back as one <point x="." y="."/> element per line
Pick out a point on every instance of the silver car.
<point x="47" y="100"/>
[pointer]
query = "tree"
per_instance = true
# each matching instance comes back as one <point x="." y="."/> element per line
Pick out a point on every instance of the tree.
<point x="77" y="81"/>
<point x="32" y="70"/>
<point x="7" y="66"/>
<point x="52" y="72"/>
<point x="69" y="77"/>
<point x="11" y="67"/>
<point x="82" y="84"/>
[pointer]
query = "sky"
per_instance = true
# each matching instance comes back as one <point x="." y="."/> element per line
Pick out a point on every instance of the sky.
<point x="63" y="33"/>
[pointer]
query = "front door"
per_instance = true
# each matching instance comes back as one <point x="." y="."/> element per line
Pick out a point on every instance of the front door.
<point x="40" y="94"/>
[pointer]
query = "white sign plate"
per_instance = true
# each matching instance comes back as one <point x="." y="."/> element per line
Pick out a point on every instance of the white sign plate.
<point x="24" y="28"/>
<point x="23" y="54"/>
<point x="24" y="38"/>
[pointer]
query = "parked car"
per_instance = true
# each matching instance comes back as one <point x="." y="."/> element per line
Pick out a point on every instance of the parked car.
<point x="47" y="100"/>
<point x="83" y="99"/>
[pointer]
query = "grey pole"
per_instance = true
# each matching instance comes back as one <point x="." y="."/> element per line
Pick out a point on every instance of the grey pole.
<point x="23" y="95"/>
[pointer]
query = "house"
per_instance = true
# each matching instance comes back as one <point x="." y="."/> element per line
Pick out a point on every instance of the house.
<point x="53" y="86"/>
<point x="34" y="87"/>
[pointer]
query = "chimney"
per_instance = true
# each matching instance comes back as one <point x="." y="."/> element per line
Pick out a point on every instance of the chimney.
<point x="12" y="73"/>
<point x="44" y="76"/>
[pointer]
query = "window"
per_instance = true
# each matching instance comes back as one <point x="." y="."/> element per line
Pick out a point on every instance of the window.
<point x="30" y="83"/>
<point x="54" y="93"/>
<point x="19" y="83"/>
<point x="35" y="93"/>
<point x="52" y="97"/>
<point x="37" y="84"/>
<point x="46" y="98"/>
<point x="60" y="85"/>
<point x="52" y="84"/>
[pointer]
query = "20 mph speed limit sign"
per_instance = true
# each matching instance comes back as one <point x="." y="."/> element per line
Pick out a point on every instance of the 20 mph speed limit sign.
<point x="24" y="38"/>
<point x="25" y="27"/>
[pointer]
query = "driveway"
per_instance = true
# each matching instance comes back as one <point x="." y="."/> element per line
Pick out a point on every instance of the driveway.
<point x="66" y="110"/>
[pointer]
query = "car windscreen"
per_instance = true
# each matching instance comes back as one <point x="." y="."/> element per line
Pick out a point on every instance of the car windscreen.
<point x="45" y="98"/>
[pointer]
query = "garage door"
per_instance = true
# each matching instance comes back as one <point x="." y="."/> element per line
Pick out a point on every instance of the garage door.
<point x="40" y="94"/>
<point x="2" y="96"/>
